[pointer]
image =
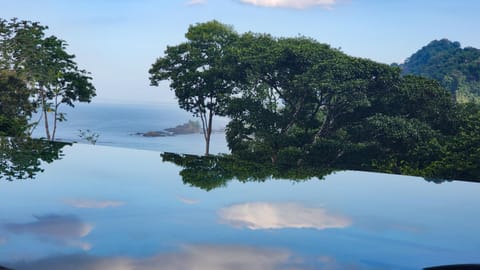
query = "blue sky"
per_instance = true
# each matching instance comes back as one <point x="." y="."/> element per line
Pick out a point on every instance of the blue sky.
<point x="118" y="40"/>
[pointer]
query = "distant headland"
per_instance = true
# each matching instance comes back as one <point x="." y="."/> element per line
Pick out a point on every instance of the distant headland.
<point x="190" y="127"/>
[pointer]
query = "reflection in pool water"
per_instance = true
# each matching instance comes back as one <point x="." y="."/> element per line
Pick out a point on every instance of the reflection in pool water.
<point x="65" y="230"/>
<point x="86" y="203"/>
<point x="188" y="257"/>
<point x="20" y="158"/>
<point x="264" y="215"/>
<point x="110" y="208"/>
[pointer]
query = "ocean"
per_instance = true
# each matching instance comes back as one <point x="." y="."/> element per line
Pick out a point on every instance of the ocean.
<point x="118" y="124"/>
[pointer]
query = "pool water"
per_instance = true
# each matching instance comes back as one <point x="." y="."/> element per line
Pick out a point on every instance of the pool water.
<point x="101" y="207"/>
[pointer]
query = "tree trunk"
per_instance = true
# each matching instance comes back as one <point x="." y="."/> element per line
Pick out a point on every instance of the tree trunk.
<point x="45" y="115"/>
<point x="47" y="129"/>
<point x="55" y="118"/>
<point x="209" y="133"/>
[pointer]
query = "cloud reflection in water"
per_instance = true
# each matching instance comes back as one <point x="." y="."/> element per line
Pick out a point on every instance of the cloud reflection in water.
<point x="263" y="215"/>
<point x="66" y="230"/>
<point x="93" y="204"/>
<point x="209" y="257"/>
<point x="187" y="200"/>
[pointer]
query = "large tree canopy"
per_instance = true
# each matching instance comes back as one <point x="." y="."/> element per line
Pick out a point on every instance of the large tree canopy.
<point x="297" y="103"/>
<point x="48" y="70"/>
<point x="200" y="72"/>
<point x="296" y="93"/>
<point x="301" y="103"/>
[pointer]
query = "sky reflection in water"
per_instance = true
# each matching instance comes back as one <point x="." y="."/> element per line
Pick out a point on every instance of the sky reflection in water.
<point x="110" y="208"/>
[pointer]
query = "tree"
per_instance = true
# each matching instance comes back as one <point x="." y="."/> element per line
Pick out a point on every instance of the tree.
<point x="201" y="72"/>
<point x="297" y="93"/>
<point x="15" y="105"/>
<point x="298" y="107"/>
<point x="275" y="100"/>
<point x="399" y="144"/>
<point x="461" y="152"/>
<point x="405" y="129"/>
<point x="49" y="71"/>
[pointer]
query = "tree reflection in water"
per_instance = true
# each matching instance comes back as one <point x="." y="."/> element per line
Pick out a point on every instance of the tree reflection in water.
<point x="210" y="172"/>
<point x="21" y="158"/>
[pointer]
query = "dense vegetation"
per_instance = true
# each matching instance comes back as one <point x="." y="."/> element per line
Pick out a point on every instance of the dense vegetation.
<point x="295" y="103"/>
<point x="297" y="107"/>
<point x="15" y="105"/>
<point x="455" y="68"/>
<point x="37" y="74"/>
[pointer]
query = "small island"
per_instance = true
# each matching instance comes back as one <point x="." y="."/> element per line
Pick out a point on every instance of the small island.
<point x="190" y="127"/>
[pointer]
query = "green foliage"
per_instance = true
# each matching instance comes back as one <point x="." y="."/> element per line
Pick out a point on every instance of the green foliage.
<point x="48" y="70"/>
<point x="15" y="105"/>
<point x="297" y="94"/>
<point x="400" y="143"/>
<point x="454" y="68"/>
<point x="22" y="157"/>
<point x="297" y="105"/>
<point x="274" y="95"/>
<point x="422" y="99"/>
<point x="199" y="71"/>
<point x="461" y="153"/>
<point x="324" y="108"/>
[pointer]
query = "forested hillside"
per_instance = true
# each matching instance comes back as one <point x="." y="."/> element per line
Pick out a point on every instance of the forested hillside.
<point x="454" y="67"/>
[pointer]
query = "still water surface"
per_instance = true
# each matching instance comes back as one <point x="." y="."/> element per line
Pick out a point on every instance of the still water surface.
<point x="102" y="207"/>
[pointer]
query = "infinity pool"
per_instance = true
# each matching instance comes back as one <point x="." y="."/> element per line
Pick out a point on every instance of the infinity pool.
<point x="111" y="208"/>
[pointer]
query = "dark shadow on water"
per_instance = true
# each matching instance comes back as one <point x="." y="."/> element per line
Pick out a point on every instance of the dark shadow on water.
<point x="22" y="158"/>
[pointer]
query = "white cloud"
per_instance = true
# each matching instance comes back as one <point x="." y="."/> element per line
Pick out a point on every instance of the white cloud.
<point x="297" y="4"/>
<point x="66" y="230"/>
<point x="260" y="215"/>
<point x="196" y="2"/>
<point x="93" y="203"/>
<point x="188" y="201"/>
